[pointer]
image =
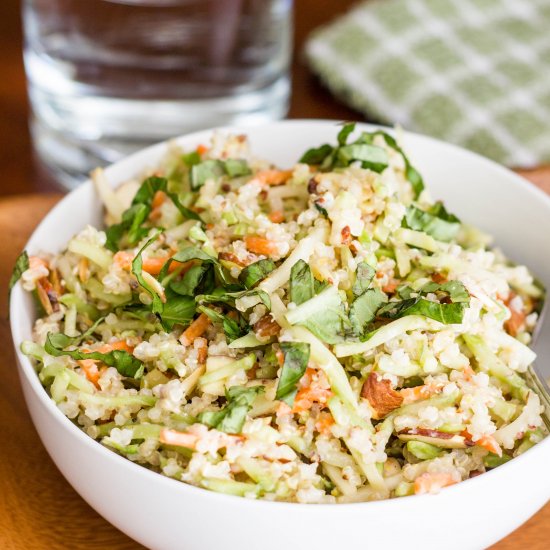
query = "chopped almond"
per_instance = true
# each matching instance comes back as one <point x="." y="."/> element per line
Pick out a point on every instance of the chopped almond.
<point x="381" y="396"/>
<point x="266" y="327"/>
<point x="83" y="269"/>
<point x="201" y="345"/>
<point x="230" y="257"/>
<point x="55" y="279"/>
<point x="346" y="235"/>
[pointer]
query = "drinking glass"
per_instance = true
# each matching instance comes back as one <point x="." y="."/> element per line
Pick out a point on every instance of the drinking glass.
<point x="106" y="77"/>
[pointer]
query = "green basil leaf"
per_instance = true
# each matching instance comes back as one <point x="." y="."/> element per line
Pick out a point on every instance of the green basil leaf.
<point x="437" y="222"/>
<point x="364" y="308"/>
<point x="448" y="313"/>
<point x="187" y="213"/>
<point x="192" y="158"/>
<point x="363" y="278"/>
<point x="208" y="169"/>
<point x="138" y="213"/>
<point x="444" y="313"/>
<point x="296" y="356"/>
<point x="316" y="155"/>
<point x="323" y="315"/>
<point x="320" y="209"/>
<point x="412" y="175"/>
<point x="232" y="328"/>
<point x="125" y="363"/>
<point x="21" y="265"/>
<point x="236" y="168"/>
<point x="457" y="291"/>
<point x="252" y="274"/>
<point x="404" y="291"/>
<point x="319" y="286"/>
<point x="414" y="178"/>
<point x="194" y="253"/>
<point x="301" y="283"/>
<point x="137" y="270"/>
<point x="345" y="132"/>
<point x="231" y="418"/>
<point x="132" y="220"/>
<point x="371" y="157"/>
<point x="190" y="283"/>
<point x="147" y="192"/>
<point x="177" y="310"/>
<point x="222" y="296"/>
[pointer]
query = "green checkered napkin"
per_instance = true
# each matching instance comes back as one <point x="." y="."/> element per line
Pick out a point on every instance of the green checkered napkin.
<point x="472" y="72"/>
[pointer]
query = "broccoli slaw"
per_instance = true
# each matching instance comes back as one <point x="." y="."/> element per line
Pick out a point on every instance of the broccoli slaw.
<point x="324" y="333"/>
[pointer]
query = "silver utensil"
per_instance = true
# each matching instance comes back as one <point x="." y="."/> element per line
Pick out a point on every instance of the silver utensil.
<point x="534" y="374"/>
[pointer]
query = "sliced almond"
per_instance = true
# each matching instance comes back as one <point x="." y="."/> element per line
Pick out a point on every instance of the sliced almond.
<point x="266" y="327"/>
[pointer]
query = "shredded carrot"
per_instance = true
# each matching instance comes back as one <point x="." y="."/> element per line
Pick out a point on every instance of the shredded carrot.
<point x="260" y="245"/>
<point x="119" y="345"/>
<point x="156" y="204"/>
<point x="324" y="423"/>
<point x="89" y="366"/>
<point x="432" y="483"/>
<point x="274" y="177"/>
<point x="489" y="443"/>
<point x="201" y="149"/>
<point x="277" y="216"/>
<point x="315" y="389"/>
<point x="517" y="317"/>
<point x="178" y="439"/>
<point x="158" y="199"/>
<point x="153" y="266"/>
<point x="410" y="395"/>
<point x="195" y="329"/>
<point x="391" y="286"/>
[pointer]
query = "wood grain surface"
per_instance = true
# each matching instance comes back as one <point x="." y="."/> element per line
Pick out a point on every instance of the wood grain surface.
<point x="38" y="508"/>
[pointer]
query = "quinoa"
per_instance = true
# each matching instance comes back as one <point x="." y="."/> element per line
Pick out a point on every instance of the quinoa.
<point x="322" y="334"/>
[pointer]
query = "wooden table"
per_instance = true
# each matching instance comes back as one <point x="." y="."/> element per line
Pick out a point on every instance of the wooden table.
<point x="38" y="508"/>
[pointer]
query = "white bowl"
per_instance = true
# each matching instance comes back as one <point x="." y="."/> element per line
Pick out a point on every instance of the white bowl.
<point x="162" y="513"/>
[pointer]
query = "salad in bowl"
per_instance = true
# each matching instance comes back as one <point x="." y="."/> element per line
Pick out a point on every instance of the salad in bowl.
<point x="326" y="333"/>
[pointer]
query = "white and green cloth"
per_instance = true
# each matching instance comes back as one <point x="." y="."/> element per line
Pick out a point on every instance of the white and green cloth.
<point x="472" y="72"/>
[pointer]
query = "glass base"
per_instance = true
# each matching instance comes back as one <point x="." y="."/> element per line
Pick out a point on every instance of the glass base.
<point x="74" y="135"/>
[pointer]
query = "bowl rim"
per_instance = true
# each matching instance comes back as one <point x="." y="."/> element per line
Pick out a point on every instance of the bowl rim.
<point x="27" y="370"/>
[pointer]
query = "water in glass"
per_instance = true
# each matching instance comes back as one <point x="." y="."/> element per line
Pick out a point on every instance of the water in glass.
<point x="106" y="77"/>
